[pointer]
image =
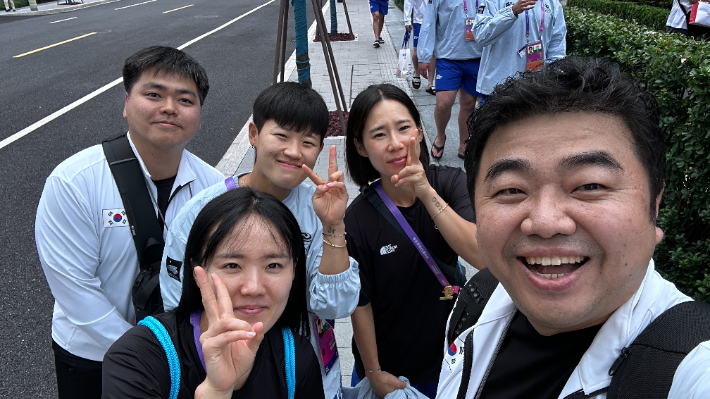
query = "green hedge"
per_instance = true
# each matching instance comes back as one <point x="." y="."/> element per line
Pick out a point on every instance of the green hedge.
<point x="653" y="17"/>
<point x="677" y="71"/>
<point x="665" y="4"/>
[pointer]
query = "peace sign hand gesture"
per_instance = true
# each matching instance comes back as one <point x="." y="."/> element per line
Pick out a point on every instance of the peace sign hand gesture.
<point x="413" y="177"/>
<point x="331" y="197"/>
<point x="229" y="345"/>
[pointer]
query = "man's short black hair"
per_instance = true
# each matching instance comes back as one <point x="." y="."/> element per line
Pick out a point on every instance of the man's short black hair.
<point x="573" y="85"/>
<point x="166" y="60"/>
<point x="292" y="106"/>
<point x="360" y="168"/>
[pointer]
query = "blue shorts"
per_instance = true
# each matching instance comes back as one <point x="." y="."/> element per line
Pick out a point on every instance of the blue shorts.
<point x="415" y="39"/>
<point x="455" y="74"/>
<point x="380" y="6"/>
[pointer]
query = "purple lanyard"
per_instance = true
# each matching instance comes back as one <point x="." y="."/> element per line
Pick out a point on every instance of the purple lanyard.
<point x="465" y="7"/>
<point x="229" y="182"/>
<point x="195" y="321"/>
<point x="412" y="236"/>
<point x="527" y="20"/>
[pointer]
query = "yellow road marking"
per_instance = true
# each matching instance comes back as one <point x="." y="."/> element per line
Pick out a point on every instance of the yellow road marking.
<point x="165" y="12"/>
<point x="54" y="45"/>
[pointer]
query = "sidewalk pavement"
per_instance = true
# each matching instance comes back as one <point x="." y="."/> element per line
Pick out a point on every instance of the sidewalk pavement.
<point x="53" y="7"/>
<point x="359" y="66"/>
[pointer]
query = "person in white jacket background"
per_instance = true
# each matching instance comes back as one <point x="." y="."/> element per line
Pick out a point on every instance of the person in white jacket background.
<point x="413" y="15"/>
<point x="505" y="29"/>
<point x="566" y="169"/>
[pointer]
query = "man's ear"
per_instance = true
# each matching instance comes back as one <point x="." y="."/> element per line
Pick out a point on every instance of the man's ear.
<point x="360" y="148"/>
<point x="125" y="102"/>
<point x="322" y="143"/>
<point x="253" y="133"/>
<point x="659" y="232"/>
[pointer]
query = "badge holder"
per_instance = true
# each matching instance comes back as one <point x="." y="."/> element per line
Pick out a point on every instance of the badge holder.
<point x="326" y="342"/>
<point x="469" y="23"/>
<point x="533" y="52"/>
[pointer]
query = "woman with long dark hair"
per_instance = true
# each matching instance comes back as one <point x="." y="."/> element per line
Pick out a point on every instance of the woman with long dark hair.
<point x="241" y="328"/>
<point x="400" y="320"/>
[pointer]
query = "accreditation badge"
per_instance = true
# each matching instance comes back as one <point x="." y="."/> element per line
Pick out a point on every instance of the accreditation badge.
<point x="535" y="59"/>
<point x="326" y="342"/>
<point x="468" y="33"/>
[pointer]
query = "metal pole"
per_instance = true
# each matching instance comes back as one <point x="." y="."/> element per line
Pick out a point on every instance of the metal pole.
<point x="279" y="33"/>
<point x="332" y="60"/>
<point x="283" y="44"/>
<point x="321" y="29"/>
<point x="347" y="18"/>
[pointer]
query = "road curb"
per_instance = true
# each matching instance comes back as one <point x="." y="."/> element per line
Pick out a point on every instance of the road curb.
<point x="23" y="13"/>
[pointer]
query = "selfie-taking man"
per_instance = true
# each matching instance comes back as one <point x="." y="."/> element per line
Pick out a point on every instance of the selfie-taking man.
<point x="566" y="170"/>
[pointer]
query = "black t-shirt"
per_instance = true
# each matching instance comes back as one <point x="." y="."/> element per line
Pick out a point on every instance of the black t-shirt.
<point x="530" y="365"/>
<point x="410" y="320"/>
<point x="164" y="187"/>
<point x="136" y="366"/>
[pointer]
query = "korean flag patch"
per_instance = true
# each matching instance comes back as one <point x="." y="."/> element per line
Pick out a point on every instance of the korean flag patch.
<point x="115" y="218"/>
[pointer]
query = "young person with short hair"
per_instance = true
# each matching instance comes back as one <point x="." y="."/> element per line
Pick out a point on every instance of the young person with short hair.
<point x="245" y="287"/>
<point x="83" y="238"/>
<point x="399" y="323"/>
<point x="290" y="122"/>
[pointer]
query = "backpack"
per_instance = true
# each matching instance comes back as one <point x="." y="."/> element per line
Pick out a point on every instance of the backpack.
<point x="644" y="369"/>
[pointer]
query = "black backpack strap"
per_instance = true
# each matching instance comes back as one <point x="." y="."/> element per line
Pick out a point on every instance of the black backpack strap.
<point x="473" y="297"/>
<point x="646" y="368"/>
<point x="452" y="273"/>
<point x="145" y="227"/>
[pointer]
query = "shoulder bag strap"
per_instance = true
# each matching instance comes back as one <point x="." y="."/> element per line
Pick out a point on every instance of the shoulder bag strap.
<point x="467" y="365"/>
<point x="173" y="361"/>
<point x="646" y="368"/>
<point x="136" y="200"/>
<point x="290" y="361"/>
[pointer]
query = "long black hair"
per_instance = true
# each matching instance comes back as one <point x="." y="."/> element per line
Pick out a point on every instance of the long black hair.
<point x="360" y="168"/>
<point x="215" y="223"/>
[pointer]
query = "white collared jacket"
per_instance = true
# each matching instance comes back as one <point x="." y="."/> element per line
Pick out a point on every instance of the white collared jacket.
<point x="87" y="251"/>
<point x="654" y="296"/>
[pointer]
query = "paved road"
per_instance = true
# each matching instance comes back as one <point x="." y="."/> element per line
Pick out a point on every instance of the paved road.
<point x="239" y="61"/>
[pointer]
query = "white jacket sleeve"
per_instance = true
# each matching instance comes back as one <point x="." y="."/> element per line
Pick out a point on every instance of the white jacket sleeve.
<point x="427" y="34"/>
<point x="493" y="22"/>
<point x="69" y="250"/>
<point x="331" y="296"/>
<point x="408" y="5"/>
<point x="557" y="47"/>
<point x="692" y="378"/>
<point x="170" y="288"/>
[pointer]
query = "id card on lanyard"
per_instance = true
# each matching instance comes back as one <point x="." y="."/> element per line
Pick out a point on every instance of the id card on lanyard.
<point x="534" y="54"/>
<point x="326" y="342"/>
<point x="468" y="31"/>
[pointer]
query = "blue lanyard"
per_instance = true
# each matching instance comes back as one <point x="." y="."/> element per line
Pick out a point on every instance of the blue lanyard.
<point x="527" y="20"/>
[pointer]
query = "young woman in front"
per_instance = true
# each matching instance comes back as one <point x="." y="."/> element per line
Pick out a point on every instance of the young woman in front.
<point x="244" y="293"/>
<point x="399" y="323"/>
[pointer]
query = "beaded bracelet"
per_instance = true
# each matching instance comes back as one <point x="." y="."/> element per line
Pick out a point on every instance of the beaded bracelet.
<point x="325" y="241"/>
<point x="440" y="210"/>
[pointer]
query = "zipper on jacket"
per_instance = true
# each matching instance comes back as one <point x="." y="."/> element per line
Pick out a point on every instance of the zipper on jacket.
<point x="493" y="358"/>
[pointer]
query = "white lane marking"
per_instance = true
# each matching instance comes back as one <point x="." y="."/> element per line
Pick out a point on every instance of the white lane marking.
<point x="29" y="129"/>
<point x="179" y="8"/>
<point x="62" y="20"/>
<point x="54" y="45"/>
<point x="133" y="5"/>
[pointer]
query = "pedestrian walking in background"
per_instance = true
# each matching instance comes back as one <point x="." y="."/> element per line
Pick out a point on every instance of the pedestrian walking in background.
<point x="379" y="9"/>
<point x="7" y="7"/>
<point x="413" y="15"/>
<point x="446" y="33"/>
<point x="517" y="37"/>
